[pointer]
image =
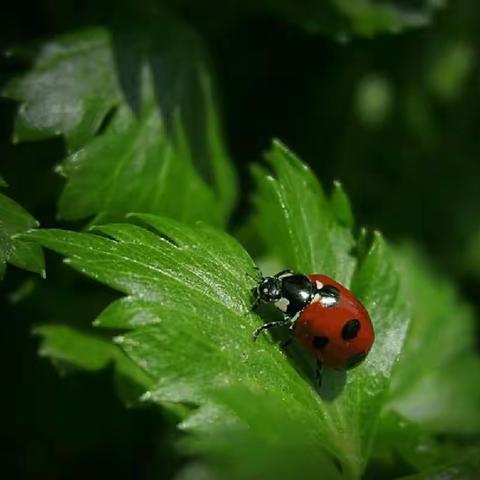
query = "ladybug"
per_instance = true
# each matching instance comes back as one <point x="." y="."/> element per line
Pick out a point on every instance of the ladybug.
<point x="322" y="314"/>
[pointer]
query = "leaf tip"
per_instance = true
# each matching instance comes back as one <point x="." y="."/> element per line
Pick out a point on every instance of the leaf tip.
<point x="146" y="397"/>
<point x="277" y="143"/>
<point x="60" y="170"/>
<point x="26" y="235"/>
<point x="378" y="236"/>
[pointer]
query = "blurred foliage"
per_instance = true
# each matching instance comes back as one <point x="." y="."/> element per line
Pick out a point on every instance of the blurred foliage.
<point x="340" y="18"/>
<point x="123" y="99"/>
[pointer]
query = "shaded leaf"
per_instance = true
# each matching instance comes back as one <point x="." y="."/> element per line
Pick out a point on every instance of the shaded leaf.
<point x="433" y="382"/>
<point x="15" y="219"/>
<point x="69" y="91"/>
<point x="399" y="437"/>
<point x="467" y="467"/>
<point x="341" y="206"/>
<point x="135" y="106"/>
<point x="70" y="348"/>
<point x="274" y="448"/>
<point x="134" y="167"/>
<point x="345" y="18"/>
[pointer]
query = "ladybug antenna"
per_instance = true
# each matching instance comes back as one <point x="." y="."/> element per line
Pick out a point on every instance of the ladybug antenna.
<point x="256" y="279"/>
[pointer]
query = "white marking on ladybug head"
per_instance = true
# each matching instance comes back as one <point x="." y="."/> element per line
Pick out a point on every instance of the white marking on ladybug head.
<point x="319" y="284"/>
<point x="282" y="304"/>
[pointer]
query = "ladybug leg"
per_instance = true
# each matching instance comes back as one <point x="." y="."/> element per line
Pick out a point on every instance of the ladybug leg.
<point x="257" y="269"/>
<point x="291" y="334"/>
<point x="283" y="272"/>
<point x="268" y="326"/>
<point x="318" y="374"/>
<point x="256" y="299"/>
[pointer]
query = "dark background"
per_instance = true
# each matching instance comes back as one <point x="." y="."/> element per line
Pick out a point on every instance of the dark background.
<point x="408" y="158"/>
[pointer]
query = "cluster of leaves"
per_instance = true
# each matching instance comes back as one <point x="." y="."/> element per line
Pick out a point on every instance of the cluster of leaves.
<point x="129" y="144"/>
<point x="250" y="409"/>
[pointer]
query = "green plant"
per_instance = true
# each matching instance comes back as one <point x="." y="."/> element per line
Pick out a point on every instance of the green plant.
<point x="146" y="167"/>
<point x="14" y="219"/>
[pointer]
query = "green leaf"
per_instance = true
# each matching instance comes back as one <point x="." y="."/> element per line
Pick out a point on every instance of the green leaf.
<point x="271" y="447"/>
<point x="341" y="206"/>
<point x="450" y="68"/>
<point x="187" y="323"/>
<point x="70" y="348"/>
<point x="466" y="467"/>
<point x="195" y="336"/>
<point x="134" y="167"/>
<point x="373" y="100"/>
<point x="432" y="384"/>
<point x="296" y="221"/>
<point x="187" y="307"/>
<point x="69" y="91"/>
<point x="13" y="220"/>
<point x="399" y="437"/>
<point x="135" y="106"/>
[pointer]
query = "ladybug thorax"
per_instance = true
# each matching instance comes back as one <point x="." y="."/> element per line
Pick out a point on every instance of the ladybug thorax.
<point x="296" y="292"/>
<point x="292" y="292"/>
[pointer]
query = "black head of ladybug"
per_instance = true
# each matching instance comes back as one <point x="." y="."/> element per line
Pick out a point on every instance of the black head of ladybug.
<point x="268" y="290"/>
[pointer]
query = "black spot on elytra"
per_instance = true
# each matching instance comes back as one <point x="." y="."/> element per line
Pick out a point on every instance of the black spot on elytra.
<point x="350" y="329"/>
<point x="320" y="342"/>
<point x="355" y="360"/>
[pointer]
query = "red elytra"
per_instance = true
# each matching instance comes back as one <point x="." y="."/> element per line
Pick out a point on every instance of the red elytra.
<point x="339" y="336"/>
